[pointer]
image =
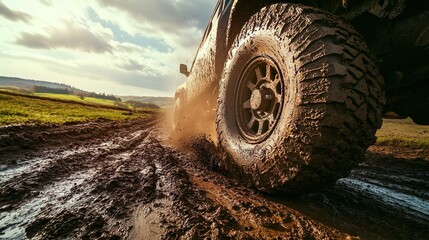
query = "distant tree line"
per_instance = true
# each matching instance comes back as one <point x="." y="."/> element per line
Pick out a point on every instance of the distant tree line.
<point x="102" y="96"/>
<point x="136" y="104"/>
<point x="43" y="89"/>
<point x="81" y="94"/>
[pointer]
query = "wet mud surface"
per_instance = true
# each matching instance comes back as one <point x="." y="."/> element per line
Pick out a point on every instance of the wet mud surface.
<point x="125" y="180"/>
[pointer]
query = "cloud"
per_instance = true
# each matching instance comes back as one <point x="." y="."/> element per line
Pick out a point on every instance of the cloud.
<point x="123" y="36"/>
<point x="72" y="36"/>
<point x="46" y="2"/>
<point x="169" y="16"/>
<point x="87" y="76"/>
<point x="133" y="65"/>
<point x="14" y="15"/>
<point x="127" y="78"/>
<point x="179" y="24"/>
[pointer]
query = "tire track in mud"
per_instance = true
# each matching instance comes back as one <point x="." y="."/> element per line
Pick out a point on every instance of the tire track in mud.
<point x="194" y="202"/>
<point x="390" y="203"/>
<point x="40" y="171"/>
<point x="108" y="198"/>
<point x="385" y="197"/>
<point x="131" y="183"/>
<point x="41" y="190"/>
<point x="394" y="184"/>
<point x="30" y="209"/>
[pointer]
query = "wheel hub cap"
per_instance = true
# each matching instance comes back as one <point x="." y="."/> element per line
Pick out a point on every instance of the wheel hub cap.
<point x="260" y="99"/>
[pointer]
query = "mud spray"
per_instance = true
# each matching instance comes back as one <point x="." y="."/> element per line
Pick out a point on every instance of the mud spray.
<point x="195" y="123"/>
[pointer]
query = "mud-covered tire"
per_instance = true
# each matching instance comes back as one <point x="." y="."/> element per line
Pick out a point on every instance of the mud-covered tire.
<point x="332" y="99"/>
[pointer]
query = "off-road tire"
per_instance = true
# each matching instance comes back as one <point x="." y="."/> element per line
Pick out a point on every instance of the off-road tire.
<point x="332" y="99"/>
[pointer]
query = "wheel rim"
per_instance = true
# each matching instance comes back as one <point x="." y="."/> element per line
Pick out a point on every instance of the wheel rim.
<point x="259" y="99"/>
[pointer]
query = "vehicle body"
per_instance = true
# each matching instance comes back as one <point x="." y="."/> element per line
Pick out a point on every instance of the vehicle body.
<point x="395" y="31"/>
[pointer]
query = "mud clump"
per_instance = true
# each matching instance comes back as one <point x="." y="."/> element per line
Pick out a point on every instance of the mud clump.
<point x="208" y="153"/>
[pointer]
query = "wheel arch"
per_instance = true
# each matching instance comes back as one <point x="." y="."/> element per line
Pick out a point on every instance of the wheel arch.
<point x="241" y="12"/>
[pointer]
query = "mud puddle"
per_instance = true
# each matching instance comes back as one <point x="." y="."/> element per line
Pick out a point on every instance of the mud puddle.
<point x="8" y="172"/>
<point x="14" y="223"/>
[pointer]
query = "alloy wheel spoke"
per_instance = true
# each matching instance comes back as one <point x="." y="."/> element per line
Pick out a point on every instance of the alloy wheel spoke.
<point x="246" y="104"/>
<point x="252" y="121"/>
<point x="259" y="76"/>
<point x="260" y="126"/>
<point x="276" y="80"/>
<point x="268" y="71"/>
<point x="251" y="86"/>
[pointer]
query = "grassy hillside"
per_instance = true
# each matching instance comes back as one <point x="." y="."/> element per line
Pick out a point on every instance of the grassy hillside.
<point x="28" y="84"/>
<point x="76" y="98"/>
<point x="403" y="133"/>
<point x="159" y="101"/>
<point x="21" y="109"/>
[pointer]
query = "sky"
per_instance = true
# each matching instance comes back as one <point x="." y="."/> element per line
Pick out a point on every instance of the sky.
<point x="122" y="47"/>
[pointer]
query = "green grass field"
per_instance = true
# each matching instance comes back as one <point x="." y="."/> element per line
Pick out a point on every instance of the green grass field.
<point x="404" y="132"/>
<point x="20" y="109"/>
<point x="77" y="98"/>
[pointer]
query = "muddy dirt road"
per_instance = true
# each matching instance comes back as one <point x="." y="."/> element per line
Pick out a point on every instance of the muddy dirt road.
<point x="119" y="180"/>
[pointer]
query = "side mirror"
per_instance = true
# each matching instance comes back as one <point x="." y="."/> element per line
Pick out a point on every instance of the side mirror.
<point x="184" y="69"/>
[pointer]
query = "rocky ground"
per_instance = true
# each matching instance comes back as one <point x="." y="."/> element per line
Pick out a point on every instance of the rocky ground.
<point x="126" y="180"/>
